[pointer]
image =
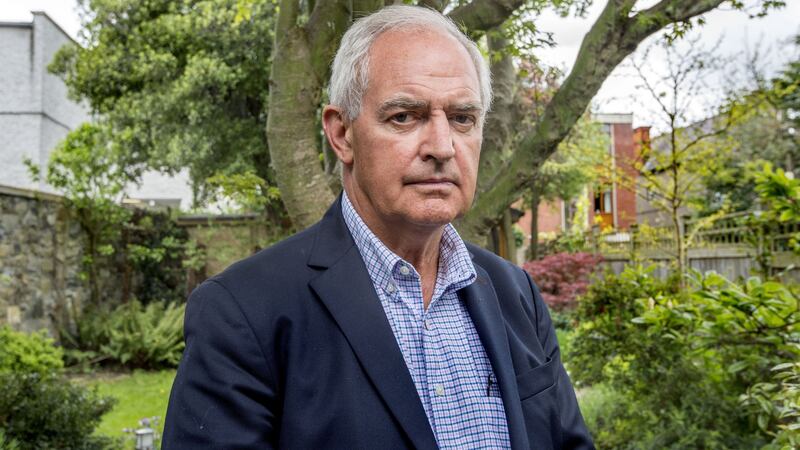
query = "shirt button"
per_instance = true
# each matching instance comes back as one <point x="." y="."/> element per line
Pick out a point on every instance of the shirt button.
<point x="427" y="325"/>
<point x="405" y="270"/>
<point x="439" y="389"/>
<point x="390" y="288"/>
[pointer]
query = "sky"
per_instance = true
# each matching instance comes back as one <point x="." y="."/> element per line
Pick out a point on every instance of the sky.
<point x="732" y="31"/>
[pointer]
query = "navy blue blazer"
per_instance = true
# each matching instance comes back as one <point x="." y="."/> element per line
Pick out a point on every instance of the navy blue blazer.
<point x="290" y="348"/>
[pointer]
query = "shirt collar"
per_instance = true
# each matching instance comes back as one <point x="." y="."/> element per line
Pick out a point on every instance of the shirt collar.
<point x="456" y="269"/>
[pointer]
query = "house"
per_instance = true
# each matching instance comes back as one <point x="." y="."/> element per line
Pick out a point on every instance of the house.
<point x="610" y="204"/>
<point x="36" y="113"/>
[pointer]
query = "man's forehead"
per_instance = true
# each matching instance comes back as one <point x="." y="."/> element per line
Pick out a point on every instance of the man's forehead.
<point x="423" y="65"/>
<point x="407" y="47"/>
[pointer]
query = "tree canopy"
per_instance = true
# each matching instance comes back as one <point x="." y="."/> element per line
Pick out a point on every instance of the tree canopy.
<point x="179" y="84"/>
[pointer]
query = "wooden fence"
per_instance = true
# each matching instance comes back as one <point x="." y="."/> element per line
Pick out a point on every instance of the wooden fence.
<point x="736" y="245"/>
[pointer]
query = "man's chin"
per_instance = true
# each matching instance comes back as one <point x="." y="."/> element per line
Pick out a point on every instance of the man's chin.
<point x="434" y="218"/>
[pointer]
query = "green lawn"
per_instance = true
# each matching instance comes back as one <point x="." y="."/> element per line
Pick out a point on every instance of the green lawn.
<point x="139" y="394"/>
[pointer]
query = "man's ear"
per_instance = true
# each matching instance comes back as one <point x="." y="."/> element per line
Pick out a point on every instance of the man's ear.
<point x="338" y="131"/>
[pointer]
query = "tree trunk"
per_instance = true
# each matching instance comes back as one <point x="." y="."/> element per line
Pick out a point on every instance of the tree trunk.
<point x="533" y="249"/>
<point x="292" y="130"/>
<point x="511" y="241"/>
<point x="680" y="247"/>
<point x="94" y="282"/>
<point x="497" y="132"/>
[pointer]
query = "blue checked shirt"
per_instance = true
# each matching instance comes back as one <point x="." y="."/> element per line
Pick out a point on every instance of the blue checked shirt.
<point x="442" y="349"/>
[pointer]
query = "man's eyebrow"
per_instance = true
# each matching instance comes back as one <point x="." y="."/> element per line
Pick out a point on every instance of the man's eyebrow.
<point x="402" y="103"/>
<point x="406" y="103"/>
<point x="465" y="107"/>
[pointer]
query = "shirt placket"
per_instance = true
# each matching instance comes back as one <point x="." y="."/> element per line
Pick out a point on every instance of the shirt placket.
<point x="440" y="384"/>
<point x="436" y="387"/>
<point x="407" y="299"/>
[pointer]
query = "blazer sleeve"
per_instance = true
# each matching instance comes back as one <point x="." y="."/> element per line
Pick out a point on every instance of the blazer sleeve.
<point x="575" y="434"/>
<point x="223" y="395"/>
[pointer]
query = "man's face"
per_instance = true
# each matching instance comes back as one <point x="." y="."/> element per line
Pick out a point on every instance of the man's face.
<point x="416" y="142"/>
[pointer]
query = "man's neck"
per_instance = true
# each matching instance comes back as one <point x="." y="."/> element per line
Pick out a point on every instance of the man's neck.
<point x="417" y="245"/>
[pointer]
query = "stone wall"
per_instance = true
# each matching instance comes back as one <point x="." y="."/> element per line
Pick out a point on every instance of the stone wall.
<point x="40" y="261"/>
<point x="226" y="239"/>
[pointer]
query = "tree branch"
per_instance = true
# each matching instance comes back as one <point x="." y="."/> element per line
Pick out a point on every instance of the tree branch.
<point x="613" y="37"/>
<point x="438" y="5"/>
<point x="499" y="126"/>
<point x="325" y="27"/>
<point x="328" y="22"/>
<point x="483" y="15"/>
<point x="287" y="18"/>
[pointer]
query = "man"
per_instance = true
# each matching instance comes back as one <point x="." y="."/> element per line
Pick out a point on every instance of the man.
<point x="379" y="327"/>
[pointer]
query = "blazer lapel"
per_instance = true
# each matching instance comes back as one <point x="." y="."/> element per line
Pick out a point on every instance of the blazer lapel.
<point x="483" y="307"/>
<point x="348" y="293"/>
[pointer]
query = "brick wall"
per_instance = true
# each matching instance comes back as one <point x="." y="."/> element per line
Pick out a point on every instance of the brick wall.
<point x="625" y="152"/>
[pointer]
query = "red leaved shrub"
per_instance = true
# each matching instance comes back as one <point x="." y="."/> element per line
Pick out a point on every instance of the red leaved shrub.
<point x="562" y="277"/>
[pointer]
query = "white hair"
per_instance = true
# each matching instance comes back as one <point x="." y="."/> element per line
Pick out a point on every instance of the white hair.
<point x="350" y="71"/>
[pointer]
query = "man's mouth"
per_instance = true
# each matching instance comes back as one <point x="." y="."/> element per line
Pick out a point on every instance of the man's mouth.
<point x="434" y="182"/>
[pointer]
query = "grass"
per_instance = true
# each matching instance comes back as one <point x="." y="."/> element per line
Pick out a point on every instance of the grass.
<point x="139" y="394"/>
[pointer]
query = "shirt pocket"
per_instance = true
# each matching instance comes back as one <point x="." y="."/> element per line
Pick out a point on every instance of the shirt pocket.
<point x="536" y="380"/>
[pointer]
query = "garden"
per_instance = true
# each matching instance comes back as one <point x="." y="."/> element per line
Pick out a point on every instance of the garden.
<point x="664" y="352"/>
<point x="688" y="360"/>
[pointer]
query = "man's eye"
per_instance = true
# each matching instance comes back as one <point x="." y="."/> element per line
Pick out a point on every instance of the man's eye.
<point x="464" y="119"/>
<point x="401" y="118"/>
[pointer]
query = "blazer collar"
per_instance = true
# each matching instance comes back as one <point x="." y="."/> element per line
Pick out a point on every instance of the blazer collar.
<point x="348" y="293"/>
<point x="481" y="302"/>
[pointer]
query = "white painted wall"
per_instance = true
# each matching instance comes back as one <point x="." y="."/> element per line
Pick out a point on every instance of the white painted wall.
<point x="36" y="113"/>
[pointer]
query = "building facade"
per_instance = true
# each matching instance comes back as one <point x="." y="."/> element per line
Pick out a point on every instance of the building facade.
<point x="36" y="114"/>
<point x="611" y="204"/>
<point x="35" y="111"/>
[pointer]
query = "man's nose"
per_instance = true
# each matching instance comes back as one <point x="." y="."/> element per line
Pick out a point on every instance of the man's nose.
<point x="437" y="142"/>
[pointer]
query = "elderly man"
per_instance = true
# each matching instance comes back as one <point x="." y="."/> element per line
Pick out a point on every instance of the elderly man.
<point x="379" y="327"/>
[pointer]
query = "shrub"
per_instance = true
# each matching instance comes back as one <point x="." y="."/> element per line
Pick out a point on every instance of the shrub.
<point x="777" y="405"/>
<point x="563" y="320"/>
<point x="146" y="337"/>
<point x="82" y="345"/>
<point x="155" y="250"/>
<point x="682" y="365"/>
<point x="8" y="443"/>
<point x="44" y="411"/>
<point x="562" y="277"/>
<point x="131" y="336"/>
<point x="39" y="409"/>
<point x="21" y="352"/>
<point x="605" y="331"/>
